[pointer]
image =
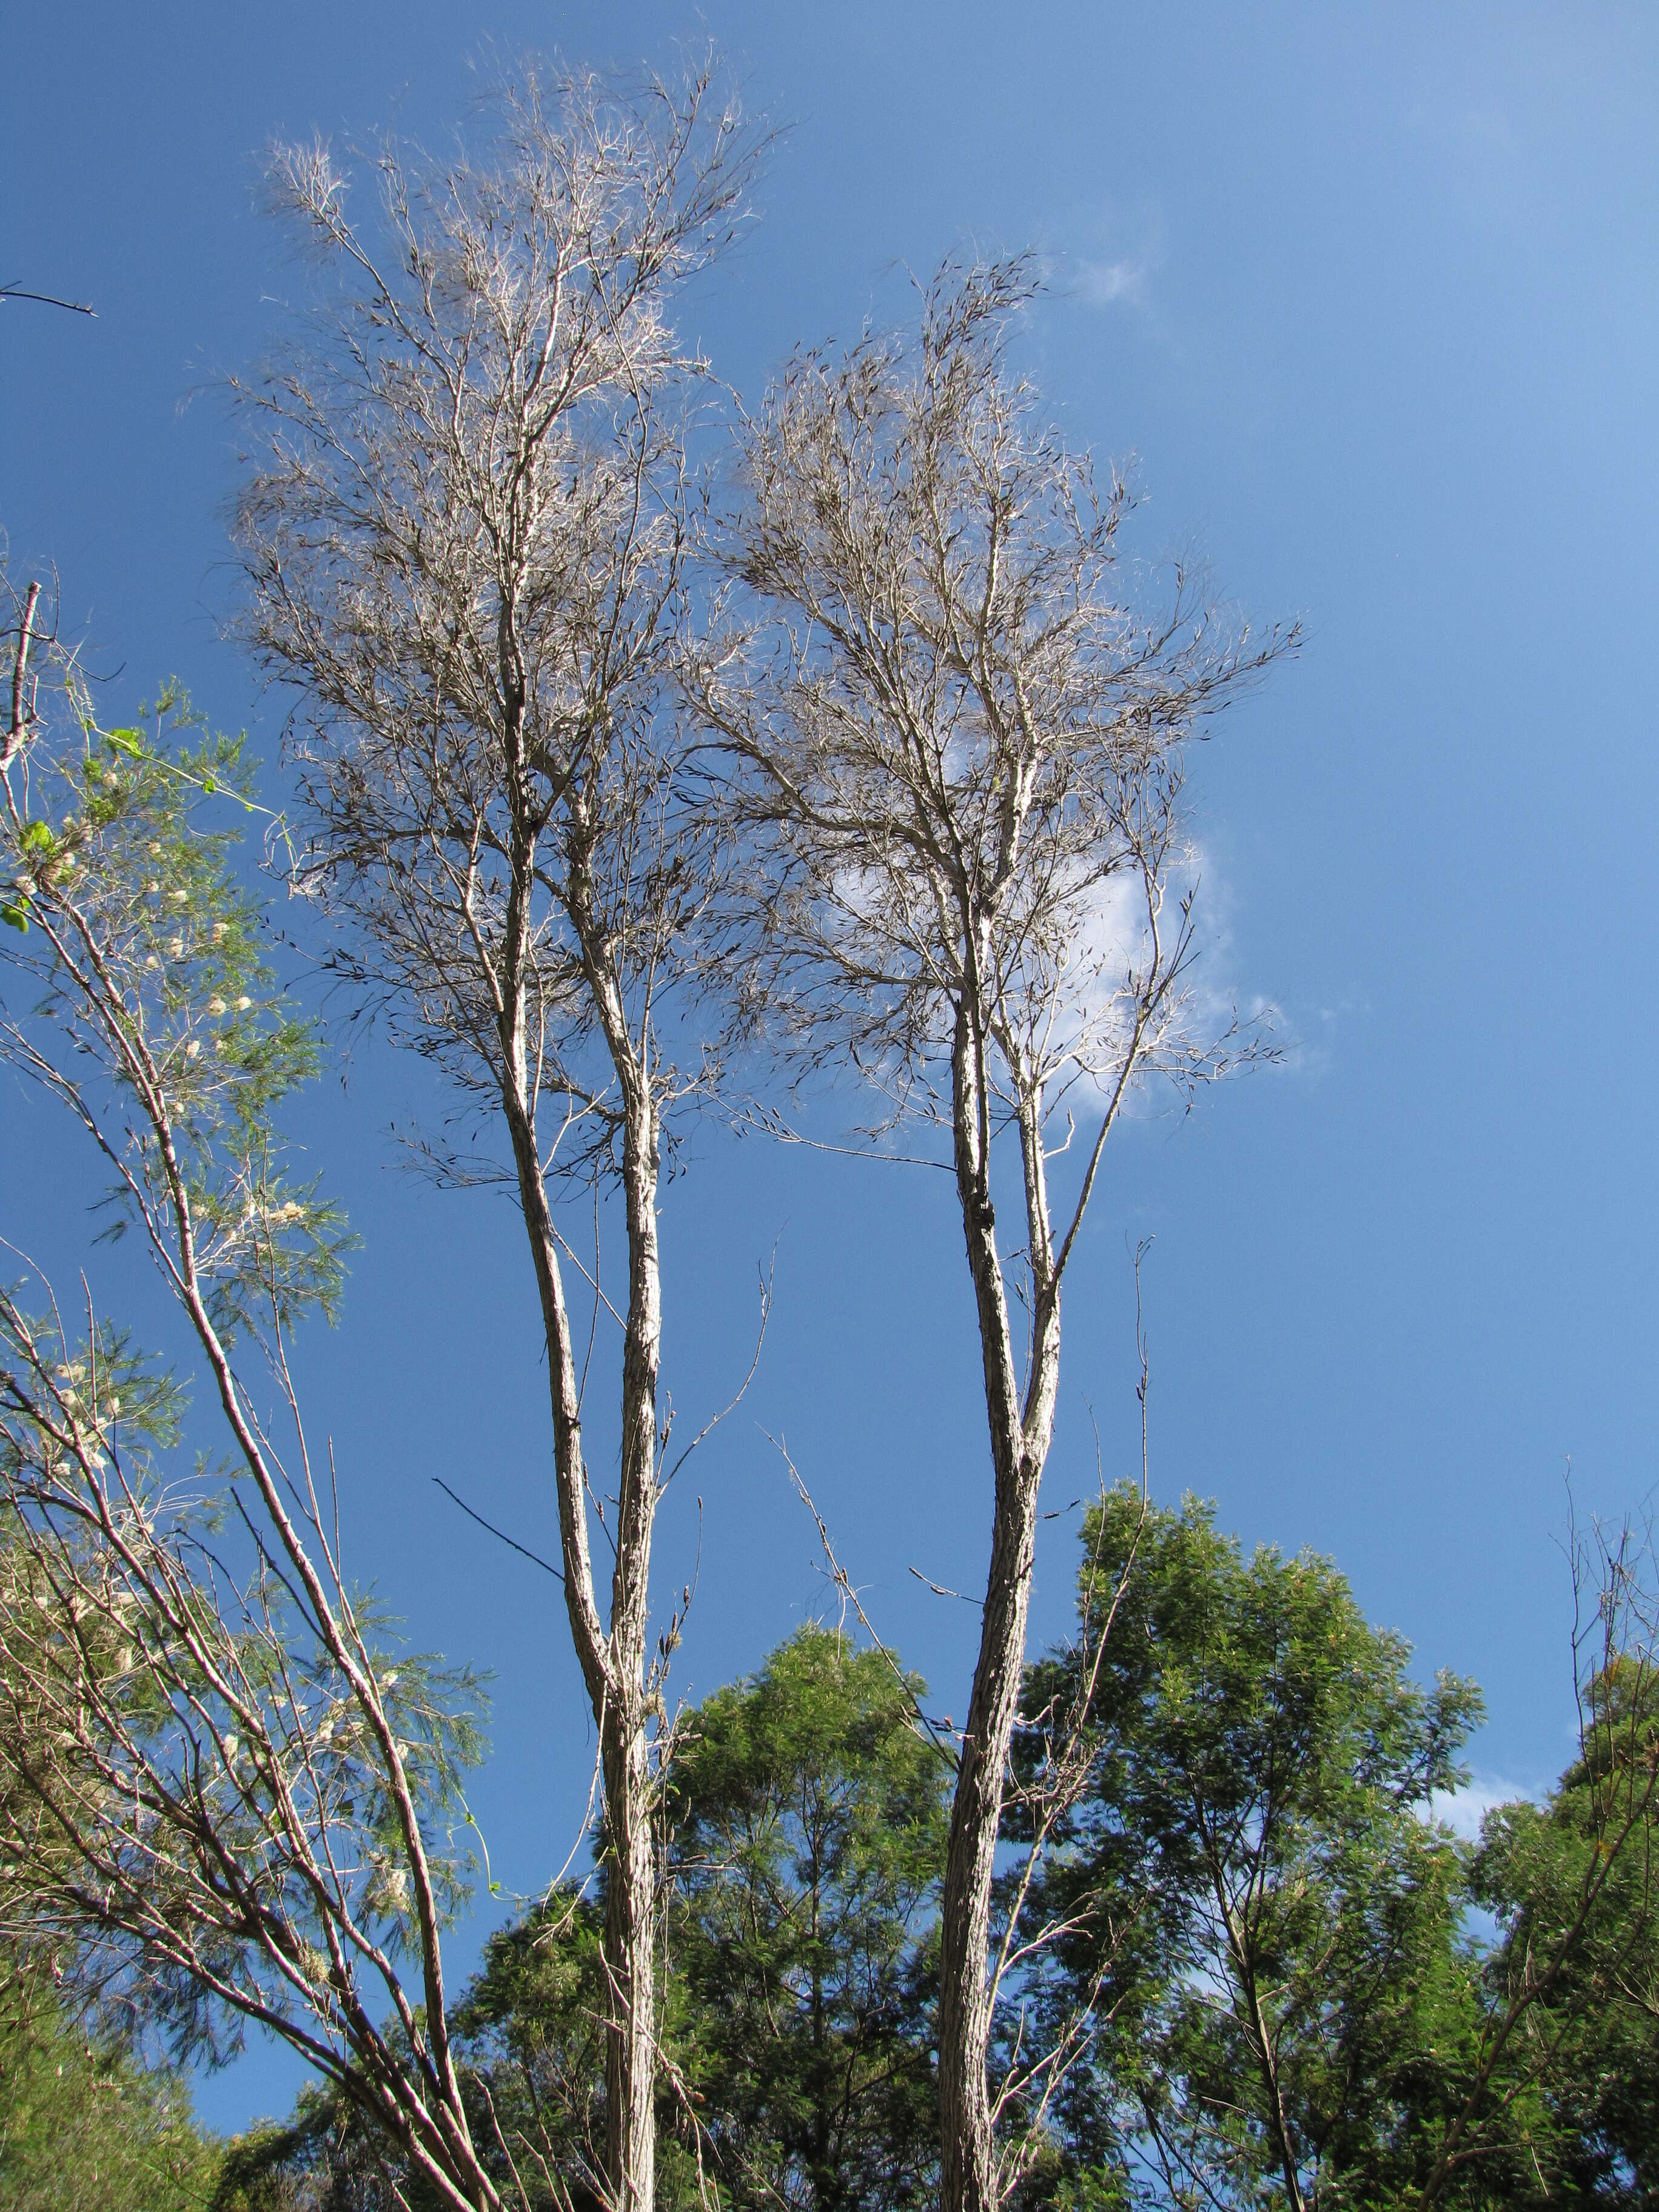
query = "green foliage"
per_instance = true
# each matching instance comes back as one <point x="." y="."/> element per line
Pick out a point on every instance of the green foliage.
<point x="807" y="1824"/>
<point x="805" y="1828"/>
<point x="1262" y="1919"/>
<point x="531" y="2032"/>
<point x="1267" y="1929"/>
<point x="146" y="957"/>
<point x="1577" y="1879"/>
<point x="326" y="2158"/>
<point x="85" y="2126"/>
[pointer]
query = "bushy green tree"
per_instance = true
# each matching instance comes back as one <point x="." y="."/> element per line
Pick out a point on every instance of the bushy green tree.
<point x="1574" y="1884"/>
<point x="803" y="1836"/>
<point x="807" y="1821"/>
<point x="1250" y="1899"/>
<point x="1246" y="1928"/>
<point x="85" y="2125"/>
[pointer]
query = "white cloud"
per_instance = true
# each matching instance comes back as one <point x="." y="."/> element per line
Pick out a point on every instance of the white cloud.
<point x="1123" y="253"/>
<point x="1090" y="1007"/>
<point x="1463" y="1810"/>
<point x="1103" y="283"/>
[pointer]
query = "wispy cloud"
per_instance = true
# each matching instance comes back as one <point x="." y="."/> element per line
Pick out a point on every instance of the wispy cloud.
<point x="1210" y="1022"/>
<point x="1463" y="1810"/>
<point x="1116" y="270"/>
<point x="1105" y="283"/>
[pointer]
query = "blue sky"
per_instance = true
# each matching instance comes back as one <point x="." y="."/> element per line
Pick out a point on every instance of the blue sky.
<point x="1372" y="297"/>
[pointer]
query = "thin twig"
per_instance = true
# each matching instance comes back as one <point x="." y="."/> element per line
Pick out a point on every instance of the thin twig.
<point x="48" y="300"/>
<point x="512" y="1542"/>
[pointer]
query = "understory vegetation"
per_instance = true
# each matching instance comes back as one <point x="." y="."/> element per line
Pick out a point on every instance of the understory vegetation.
<point x="1278" y="1971"/>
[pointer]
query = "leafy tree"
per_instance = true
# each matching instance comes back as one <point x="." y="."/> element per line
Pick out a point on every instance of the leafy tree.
<point x="215" y="1791"/>
<point x="1561" y="2101"/>
<point x="1250" y="1901"/>
<point x="85" y="2125"/>
<point x="806" y="1818"/>
<point x="803" y="1843"/>
<point x="1263" y="1936"/>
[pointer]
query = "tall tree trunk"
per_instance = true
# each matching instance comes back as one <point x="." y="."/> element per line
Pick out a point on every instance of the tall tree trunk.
<point x="630" y="2070"/>
<point x="1019" y="1436"/>
<point x="613" y="1665"/>
<point x="965" y="1995"/>
<point x="631" y="2050"/>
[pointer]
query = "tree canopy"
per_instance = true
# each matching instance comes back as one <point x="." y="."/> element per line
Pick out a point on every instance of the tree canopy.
<point x="85" y="2124"/>
<point x="1281" y="1978"/>
<point x="1255" y="1902"/>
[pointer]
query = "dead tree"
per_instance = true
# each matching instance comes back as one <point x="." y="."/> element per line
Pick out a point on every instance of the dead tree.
<point x="466" y="544"/>
<point x="219" y="1793"/>
<point x="961" y="758"/>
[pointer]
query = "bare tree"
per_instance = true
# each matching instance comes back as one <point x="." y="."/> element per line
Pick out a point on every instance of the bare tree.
<point x="216" y="1791"/>
<point x="467" y="550"/>
<point x="962" y="756"/>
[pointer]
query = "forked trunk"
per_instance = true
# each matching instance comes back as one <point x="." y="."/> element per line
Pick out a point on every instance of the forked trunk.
<point x="1019" y="1435"/>
<point x="613" y="1665"/>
